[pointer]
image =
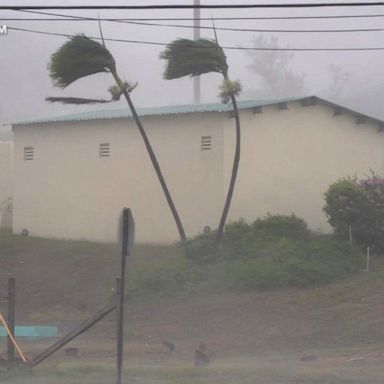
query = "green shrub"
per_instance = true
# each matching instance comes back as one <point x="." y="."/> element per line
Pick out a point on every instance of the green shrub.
<point x="273" y="251"/>
<point x="359" y="205"/>
<point x="317" y="261"/>
<point x="282" y="263"/>
<point x="281" y="226"/>
<point x="243" y="240"/>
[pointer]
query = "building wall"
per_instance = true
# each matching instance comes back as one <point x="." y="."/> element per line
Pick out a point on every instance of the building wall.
<point x="68" y="191"/>
<point x="290" y="157"/>
<point x="288" y="160"/>
<point x="6" y="165"/>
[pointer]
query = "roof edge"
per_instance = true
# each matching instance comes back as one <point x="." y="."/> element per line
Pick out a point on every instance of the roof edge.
<point x="187" y="109"/>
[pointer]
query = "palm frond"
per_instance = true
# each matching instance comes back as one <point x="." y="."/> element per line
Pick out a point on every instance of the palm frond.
<point x="77" y="58"/>
<point x="76" y="100"/>
<point x="193" y="58"/>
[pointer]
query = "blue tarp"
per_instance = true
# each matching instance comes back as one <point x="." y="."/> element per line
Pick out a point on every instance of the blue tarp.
<point x="32" y="331"/>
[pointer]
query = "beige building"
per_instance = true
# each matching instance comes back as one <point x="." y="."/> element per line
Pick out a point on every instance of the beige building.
<point x="6" y="172"/>
<point x="75" y="173"/>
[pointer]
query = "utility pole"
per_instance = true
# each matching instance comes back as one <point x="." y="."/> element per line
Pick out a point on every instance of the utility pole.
<point x="196" y="36"/>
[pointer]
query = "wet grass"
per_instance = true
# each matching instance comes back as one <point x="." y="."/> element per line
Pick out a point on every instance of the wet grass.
<point x="244" y="370"/>
<point x="64" y="281"/>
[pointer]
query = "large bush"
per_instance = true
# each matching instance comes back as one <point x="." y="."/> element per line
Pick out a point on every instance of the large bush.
<point x="317" y="261"/>
<point x="243" y="240"/>
<point x="277" y="250"/>
<point x="274" y="251"/>
<point x="358" y="205"/>
<point x="281" y="226"/>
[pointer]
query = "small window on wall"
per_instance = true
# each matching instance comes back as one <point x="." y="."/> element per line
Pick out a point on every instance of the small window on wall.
<point x="104" y="150"/>
<point x="28" y="153"/>
<point x="206" y="143"/>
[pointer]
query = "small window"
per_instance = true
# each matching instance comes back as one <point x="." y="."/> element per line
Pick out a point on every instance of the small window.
<point x="28" y="153"/>
<point x="206" y="143"/>
<point x="104" y="150"/>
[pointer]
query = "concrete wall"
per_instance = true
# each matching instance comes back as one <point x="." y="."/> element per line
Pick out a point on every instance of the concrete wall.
<point x="68" y="191"/>
<point x="288" y="160"/>
<point x="290" y="157"/>
<point x="6" y="166"/>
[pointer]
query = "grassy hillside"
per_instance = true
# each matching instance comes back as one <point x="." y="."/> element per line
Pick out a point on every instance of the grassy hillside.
<point x="251" y="333"/>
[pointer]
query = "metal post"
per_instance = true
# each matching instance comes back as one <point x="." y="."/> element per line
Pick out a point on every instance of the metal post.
<point x="118" y="294"/>
<point x="196" y="36"/>
<point x="120" y="307"/>
<point x="11" y="323"/>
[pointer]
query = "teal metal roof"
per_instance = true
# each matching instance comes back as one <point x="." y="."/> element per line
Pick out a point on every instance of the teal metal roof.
<point x="156" y="111"/>
<point x="183" y="109"/>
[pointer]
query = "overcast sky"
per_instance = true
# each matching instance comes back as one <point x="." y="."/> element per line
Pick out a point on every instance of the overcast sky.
<point x="25" y="82"/>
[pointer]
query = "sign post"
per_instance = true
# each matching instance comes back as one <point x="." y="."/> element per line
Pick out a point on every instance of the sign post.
<point x="128" y="234"/>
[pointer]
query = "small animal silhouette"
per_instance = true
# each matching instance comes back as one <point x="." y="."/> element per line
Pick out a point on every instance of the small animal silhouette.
<point x="170" y="346"/>
<point x="201" y="355"/>
<point x="201" y="358"/>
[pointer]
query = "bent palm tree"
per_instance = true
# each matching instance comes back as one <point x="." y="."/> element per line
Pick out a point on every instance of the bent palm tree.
<point x="80" y="57"/>
<point x="193" y="58"/>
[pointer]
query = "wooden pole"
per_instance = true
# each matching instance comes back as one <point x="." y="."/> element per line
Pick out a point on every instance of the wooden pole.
<point x="11" y="323"/>
<point x="7" y="330"/>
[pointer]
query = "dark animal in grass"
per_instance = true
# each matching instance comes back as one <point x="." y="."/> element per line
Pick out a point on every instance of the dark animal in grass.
<point x="201" y="355"/>
<point x="170" y="346"/>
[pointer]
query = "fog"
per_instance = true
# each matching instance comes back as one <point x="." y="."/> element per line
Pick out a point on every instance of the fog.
<point x="25" y="81"/>
<point x="286" y="294"/>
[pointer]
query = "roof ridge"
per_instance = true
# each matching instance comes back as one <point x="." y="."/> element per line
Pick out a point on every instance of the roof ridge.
<point x="116" y="113"/>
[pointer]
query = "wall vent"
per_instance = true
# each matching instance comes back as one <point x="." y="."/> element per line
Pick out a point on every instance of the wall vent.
<point x="206" y="143"/>
<point x="28" y="153"/>
<point x="104" y="150"/>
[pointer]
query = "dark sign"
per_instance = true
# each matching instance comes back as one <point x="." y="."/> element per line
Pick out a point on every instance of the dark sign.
<point x="127" y="231"/>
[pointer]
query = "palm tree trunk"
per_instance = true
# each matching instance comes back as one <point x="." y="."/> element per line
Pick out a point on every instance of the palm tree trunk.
<point x="235" y="167"/>
<point x="153" y="158"/>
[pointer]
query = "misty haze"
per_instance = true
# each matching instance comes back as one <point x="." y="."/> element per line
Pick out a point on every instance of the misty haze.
<point x="191" y="195"/>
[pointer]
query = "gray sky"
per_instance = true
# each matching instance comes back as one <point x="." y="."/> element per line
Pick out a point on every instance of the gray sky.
<point x="24" y="79"/>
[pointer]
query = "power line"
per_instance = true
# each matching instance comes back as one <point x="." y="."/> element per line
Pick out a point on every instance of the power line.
<point x="258" y="29"/>
<point x="224" y="47"/>
<point x="81" y="18"/>
<point x="191" y="18"/>
<point x="202" y="6"/>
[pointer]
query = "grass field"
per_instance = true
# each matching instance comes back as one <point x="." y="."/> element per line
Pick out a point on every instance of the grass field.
<point x="257" y="336"/>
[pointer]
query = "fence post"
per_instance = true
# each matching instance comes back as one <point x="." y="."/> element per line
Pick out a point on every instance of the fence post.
<point x="11" y="323"/>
